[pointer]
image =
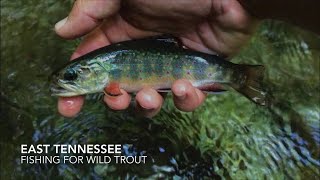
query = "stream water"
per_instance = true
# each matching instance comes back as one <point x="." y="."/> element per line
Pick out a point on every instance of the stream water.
<point x="227" y="137"/>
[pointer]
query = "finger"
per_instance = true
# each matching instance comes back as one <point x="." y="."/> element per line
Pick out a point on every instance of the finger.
<point x="94" y="40"/>
<point x="85" y="16"/>
<point x="149" y="102"/>
<point x="116" y="29"/>
<point x="192" y="41"/>
<point x="70" y="106"/>
<point x="118" y="102"/>
<point x="186" y="97"/>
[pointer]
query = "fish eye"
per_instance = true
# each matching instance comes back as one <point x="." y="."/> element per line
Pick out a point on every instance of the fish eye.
<point x="70" y="75"/>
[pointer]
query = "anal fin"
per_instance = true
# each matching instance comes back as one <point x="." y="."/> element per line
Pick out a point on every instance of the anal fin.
<point x="214" y="88"/>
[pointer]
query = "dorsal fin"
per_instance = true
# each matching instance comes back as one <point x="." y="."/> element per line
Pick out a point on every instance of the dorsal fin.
<point x="166" y="39"/>
<point x="163" y="41"/>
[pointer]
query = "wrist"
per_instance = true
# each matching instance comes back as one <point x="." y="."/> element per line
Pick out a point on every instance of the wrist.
<point x="263" y="9"/>
<point x="298" y="12"/>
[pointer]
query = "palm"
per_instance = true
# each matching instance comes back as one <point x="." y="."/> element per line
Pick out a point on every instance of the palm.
<point x="225" y="31"/>
<point x="212" y="26"/>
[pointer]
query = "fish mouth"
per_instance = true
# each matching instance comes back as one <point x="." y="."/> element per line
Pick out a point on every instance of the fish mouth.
<point x="63" y="91"/>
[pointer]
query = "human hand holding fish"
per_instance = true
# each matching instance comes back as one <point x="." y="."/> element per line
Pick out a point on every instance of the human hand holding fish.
<point x="220" y="26"/>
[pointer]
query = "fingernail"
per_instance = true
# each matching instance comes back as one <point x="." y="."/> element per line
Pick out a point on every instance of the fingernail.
<point x="181" y="92"/>
<point x="148" y="100"/>
<point x="69" y="103"/>
<point x="147" y="97"/>
<point x="61" y="23"/>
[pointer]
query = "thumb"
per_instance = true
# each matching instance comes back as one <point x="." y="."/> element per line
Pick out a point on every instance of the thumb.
<point x="85" y="16"/>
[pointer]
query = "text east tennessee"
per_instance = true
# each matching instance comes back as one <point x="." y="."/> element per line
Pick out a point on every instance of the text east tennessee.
<point x="74" y="149"/>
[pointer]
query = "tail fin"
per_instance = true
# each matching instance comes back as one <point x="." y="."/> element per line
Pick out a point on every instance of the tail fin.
<point x="250" y="83"/>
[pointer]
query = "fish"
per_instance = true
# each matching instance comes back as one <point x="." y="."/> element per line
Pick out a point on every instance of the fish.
<point x="155" y="62"/>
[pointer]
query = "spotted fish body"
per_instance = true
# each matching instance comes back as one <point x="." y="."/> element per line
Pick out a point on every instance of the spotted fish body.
<point x="157" y="63"/>
<point x="135" y="69"/>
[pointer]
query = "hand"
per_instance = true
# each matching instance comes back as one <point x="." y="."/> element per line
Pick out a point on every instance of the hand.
<point x="211" y="26"/>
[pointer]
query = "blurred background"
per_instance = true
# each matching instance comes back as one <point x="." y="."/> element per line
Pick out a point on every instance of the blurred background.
<point x="227" y="137"/>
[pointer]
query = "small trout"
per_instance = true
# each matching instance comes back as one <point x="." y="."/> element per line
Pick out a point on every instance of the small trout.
<point x="154" y="62"/>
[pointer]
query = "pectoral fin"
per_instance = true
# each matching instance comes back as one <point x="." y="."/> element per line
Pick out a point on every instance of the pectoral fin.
<point x="164" y="90"/>
<point x="112" y="89"/>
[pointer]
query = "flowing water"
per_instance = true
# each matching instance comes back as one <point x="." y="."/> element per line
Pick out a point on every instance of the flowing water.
<point x="228" y="137"/>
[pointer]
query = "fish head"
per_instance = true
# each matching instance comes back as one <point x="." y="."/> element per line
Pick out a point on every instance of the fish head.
<point x="79" y="78"/>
